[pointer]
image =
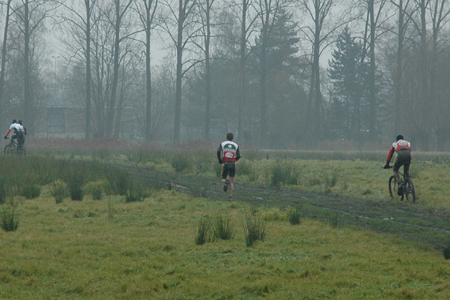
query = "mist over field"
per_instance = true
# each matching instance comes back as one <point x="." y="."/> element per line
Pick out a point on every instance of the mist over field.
<point x="284" y="74"/>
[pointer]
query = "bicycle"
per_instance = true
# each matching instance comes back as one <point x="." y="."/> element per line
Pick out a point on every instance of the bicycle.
<point x="13" y="148"/>
<point x="408" y="188"/>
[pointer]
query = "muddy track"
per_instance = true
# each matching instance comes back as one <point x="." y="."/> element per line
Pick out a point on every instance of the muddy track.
<point x="410" y="221"/>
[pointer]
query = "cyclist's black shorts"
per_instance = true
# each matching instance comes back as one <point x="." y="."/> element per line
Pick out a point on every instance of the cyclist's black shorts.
<point x="402" y="157"/>
<point x="228" y="169"/>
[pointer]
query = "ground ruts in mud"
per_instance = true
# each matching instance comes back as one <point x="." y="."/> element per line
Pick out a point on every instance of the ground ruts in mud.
<point x="409" y="221"/>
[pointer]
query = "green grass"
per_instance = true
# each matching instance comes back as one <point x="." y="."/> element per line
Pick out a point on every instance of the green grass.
<point x="147" y="250"/>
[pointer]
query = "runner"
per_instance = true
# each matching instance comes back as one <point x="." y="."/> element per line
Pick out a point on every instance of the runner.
<point x="228" y="153"/>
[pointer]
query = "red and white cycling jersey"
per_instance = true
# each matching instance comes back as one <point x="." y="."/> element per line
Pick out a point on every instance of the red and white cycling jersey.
<point x="229" y="150"/>
<point x="401" y="145"/>
<point x="397" y="146"/>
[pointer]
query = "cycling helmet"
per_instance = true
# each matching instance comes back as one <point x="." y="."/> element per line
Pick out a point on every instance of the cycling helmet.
<point x="399" y="137"/>
<point x="14" y="121"/>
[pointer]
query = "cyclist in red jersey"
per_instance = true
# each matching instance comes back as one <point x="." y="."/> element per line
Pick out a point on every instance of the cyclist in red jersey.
<point x="228" y="154"/>
<point x="402" y="150"/>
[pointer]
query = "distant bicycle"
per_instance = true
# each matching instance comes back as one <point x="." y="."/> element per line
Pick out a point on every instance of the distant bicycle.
<point x="12" y="148"/>
<point x="408" y="188"/>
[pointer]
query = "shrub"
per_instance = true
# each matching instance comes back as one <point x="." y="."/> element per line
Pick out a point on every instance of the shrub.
<point x="447" y="251"/>
<point x="31" y="191"/>
<point x="9" y="220"/>
<point x="254" y="230"/>
<point x="203" y="230"/>
<point x="136" y="193"/>
<point x="95" y="189"/>
<point x="180" y="163"/>
<point x="76" y="186"/>
<point x="283" y="173"/>
<point x="3" y="193"/>
<point x="293" y="215"/>
<point x="222" y="227"/>
<point x="119" y="181"/>
<point x="58" y="189"/>
<point x="271" y="214"/>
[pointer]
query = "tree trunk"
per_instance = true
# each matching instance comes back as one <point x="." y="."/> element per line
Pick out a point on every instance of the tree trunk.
<point x="27" y="104"/>
<point x="88" y="69"/>
<point x="148" y="79"/>
<point x="4" y="51"/>
<point x="177" y="123"/>
<point x="208" y="73"/>
<point x="112" y="104"/>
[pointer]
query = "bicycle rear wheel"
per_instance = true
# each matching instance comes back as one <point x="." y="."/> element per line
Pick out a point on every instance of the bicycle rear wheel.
<point x="393" y="187"/>
<point x="21" y="151"/>
<point x="8" y="150"/>
<point x="409" y="191"/>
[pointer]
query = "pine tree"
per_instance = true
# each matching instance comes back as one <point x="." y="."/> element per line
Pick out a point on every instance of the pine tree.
<point x="344" y="72"/>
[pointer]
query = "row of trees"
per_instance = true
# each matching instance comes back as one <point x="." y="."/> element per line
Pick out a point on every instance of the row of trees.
<point x="278" y="73"/>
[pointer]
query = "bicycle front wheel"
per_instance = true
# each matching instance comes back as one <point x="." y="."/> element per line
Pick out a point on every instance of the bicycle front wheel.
<point x="410" y="192"/>
<point x="8" y="150"/>
<point x="393" y="187"/>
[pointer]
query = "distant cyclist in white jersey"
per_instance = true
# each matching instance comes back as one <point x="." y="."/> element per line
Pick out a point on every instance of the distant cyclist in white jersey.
<point x="15" y="128"/>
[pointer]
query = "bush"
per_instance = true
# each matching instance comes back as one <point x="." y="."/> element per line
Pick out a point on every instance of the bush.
<point x="58" y="189"/>
<point x="293" y="215"/>
<point x="76" y="186"/>
<point x="180" y="163"/>
<point x="203" y="230"/>
<point x="447" y="251"/>
<point x="283" y="173"/>
<point x="9" y="220"/>
<point x="95" y="189"/>
<point x="119" y="181"/>
<point x="31" y="191"/>
<point x="222" y="227"/>
<point x="136" y="193"/>
<point x="254" y="230"/>
<point x="3" y="193"/>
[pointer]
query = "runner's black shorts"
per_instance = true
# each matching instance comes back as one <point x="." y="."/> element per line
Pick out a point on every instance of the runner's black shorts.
<point x="228" y="169"/>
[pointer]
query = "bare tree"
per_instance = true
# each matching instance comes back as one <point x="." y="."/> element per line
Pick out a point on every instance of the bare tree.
<point x="30" y="16"/>
<point x="206" y="9"/>
<point x="403" y="20"/>
<point x="182" y="20"/>
<point x="147" y="10"/>
<point x="4" y="50"/>
<point x="81" y="25"/>
<point x="318" y="11"/>
<point x="120" y="10"/>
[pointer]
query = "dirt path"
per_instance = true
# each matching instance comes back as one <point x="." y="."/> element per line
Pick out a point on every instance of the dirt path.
<point x="410" y="221"/>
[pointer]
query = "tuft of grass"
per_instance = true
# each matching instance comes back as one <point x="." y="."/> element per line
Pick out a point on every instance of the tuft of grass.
<point x="181" y="162"/>
<point x="203" y="230"/>
<point x="31" y="191"/>
<point x="293" y="215"/>
<point x="75" y="185"/>
<point x="254" y="230"/>
<point x="284" y="173"/>
<point x="119" y="181"/>
<point x="222" y="226"/>
<point x="95" y="189"/>
<point x="446" y="251"/>
<point x="3" y="190"/>
<point x="9" y="220"/>
<point x="58" y="189"/>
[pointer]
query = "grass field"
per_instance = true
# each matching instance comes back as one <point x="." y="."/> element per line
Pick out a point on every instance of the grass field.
<point x="109" y="249"/>
<point x="146" y="249"/>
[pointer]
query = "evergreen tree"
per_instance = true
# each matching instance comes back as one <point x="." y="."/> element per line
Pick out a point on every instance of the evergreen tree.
<point x="345" y="74"/>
